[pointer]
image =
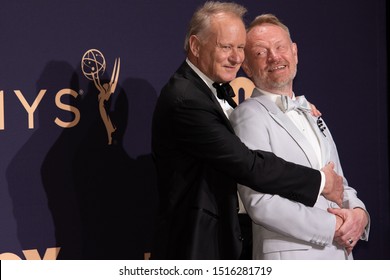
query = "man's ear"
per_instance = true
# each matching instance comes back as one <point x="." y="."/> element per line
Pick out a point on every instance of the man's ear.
<point x="194" y="45"/>
<point x="295" y="51"/>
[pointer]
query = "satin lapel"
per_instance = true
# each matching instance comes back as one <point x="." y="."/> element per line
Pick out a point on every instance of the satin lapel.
<point x="190" y="74"/>
<point x="285" y="122"/>
<point x="322" y="137"/>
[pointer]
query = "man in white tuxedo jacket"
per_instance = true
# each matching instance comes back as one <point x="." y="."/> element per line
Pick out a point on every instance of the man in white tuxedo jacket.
<point x="274" y="120"/>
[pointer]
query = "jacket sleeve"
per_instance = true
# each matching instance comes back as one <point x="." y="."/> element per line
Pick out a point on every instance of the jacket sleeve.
<point x="350" y="199"/>
<point x="203" y="132"/>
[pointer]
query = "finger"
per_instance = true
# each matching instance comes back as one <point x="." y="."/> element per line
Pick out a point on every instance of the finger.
<point x="350" y="242"/>
<point x="339" y="241"/>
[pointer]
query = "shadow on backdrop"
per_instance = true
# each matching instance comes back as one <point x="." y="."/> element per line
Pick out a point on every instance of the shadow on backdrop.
<point x="115" y="190"/>
<point x="40" y="182"/>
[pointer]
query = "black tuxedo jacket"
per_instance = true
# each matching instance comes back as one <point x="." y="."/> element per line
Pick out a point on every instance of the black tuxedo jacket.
<point x="199" y="162"/>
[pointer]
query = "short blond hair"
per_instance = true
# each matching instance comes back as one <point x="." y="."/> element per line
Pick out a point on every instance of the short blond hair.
<point x="270" y="19"/>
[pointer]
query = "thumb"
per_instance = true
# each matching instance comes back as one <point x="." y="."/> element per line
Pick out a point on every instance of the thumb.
<point x="331" y="164"/>
<point x="335" y="211"/>
<point x="339" y="212"/>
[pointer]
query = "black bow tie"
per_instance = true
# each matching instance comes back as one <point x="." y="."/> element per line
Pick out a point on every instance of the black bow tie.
<point x="226" y="92"/>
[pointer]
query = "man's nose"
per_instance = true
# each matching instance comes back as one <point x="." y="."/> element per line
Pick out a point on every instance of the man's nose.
<point x="273" y="55"/>
<point x="237" y="55"/>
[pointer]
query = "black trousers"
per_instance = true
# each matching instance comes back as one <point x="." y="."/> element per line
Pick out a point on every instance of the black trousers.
<point x="246" y="233"/>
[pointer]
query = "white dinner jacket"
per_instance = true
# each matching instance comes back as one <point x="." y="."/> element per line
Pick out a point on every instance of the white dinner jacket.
<point x="285" y="229"/>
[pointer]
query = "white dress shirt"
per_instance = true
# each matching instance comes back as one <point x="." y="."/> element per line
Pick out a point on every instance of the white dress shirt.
<point x="227" y="109"/>
<point x="303" y="125"/>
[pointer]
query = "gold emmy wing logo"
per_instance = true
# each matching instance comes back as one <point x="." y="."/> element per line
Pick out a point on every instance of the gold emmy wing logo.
<point x="93" y="65"/>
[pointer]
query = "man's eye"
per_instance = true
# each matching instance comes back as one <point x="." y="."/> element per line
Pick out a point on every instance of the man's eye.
<point x="282" y="48"/>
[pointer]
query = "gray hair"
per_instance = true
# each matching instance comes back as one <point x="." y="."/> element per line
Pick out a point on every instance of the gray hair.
<point x="200" y="21"/>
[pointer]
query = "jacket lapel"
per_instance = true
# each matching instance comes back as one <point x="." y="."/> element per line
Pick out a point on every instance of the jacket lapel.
<point x="283" y="121"/>
<point x="323" y="138"/>
<point x="186" y="71"/>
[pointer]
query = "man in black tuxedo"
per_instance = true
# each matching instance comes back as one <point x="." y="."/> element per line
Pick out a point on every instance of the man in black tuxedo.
<point x="198" y="157"/>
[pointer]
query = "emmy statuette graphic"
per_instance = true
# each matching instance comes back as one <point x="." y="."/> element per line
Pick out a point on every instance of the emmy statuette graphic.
<point x="93" y="65"/>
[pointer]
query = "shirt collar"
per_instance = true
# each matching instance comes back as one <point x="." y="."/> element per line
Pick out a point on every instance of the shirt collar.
<point x="205" y="79"/>
<point x="224" y="105"/>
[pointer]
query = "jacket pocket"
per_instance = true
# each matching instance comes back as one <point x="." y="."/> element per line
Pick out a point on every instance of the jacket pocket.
<point x="277" y="245"/>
